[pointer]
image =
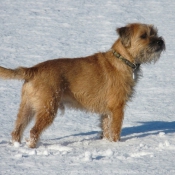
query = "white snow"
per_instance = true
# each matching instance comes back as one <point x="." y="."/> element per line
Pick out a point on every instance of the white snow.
<point x="88" y="156"/>
<point x="34" y="31"/>
<point x="16" y="144"/>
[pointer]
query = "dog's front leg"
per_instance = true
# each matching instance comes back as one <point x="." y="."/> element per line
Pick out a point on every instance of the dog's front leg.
<point x="112" y="124"/>
<point x="105" y="125"/>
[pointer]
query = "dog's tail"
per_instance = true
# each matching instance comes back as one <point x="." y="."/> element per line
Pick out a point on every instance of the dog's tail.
<point x="20" y="73"/>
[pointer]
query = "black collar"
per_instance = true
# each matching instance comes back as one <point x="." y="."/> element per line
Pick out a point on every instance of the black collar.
<point x="127" y="62"/>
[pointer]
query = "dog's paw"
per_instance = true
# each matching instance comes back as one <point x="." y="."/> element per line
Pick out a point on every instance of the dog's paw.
<point x="112" y="137"/>
<point x="31" y="143"/>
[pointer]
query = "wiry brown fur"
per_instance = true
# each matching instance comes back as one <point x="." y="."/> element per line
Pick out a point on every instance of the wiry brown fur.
<point x="99" y="83"/>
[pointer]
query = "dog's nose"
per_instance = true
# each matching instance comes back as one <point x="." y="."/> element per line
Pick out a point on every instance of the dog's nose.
<point x="160" y="42"/>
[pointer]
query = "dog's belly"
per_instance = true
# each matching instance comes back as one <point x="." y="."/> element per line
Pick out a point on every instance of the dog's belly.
<point x="83" y="102"/>
<point x="71" y="102"/>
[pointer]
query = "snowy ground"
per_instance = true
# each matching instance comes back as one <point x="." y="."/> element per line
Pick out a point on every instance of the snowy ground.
<point x="34" y="31"/>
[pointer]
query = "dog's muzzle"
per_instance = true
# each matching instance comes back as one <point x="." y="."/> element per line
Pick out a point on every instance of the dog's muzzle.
<point x="158" y="44"/>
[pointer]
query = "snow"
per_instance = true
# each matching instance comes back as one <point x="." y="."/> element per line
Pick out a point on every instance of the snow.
<point x="35" y="31"/>
<point x="16" y="144"/>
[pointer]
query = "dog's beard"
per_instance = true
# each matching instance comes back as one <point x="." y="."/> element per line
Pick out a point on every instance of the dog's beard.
<point x="149" y="55"/>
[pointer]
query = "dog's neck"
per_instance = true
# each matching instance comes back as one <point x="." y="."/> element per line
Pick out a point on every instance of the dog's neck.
<point x="127" y="62"/>
<point x="119" y="48"/>
<point x="120" y="52"/>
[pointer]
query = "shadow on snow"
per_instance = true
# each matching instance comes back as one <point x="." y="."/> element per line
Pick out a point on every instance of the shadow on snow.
<point x="143" y="130"/>
<point x="148" y="128"/>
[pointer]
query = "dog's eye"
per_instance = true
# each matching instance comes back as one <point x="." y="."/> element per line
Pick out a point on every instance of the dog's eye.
<point x="144" y="36"/>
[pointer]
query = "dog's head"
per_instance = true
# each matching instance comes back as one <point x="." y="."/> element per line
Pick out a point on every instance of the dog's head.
<point x="142" y="42"/>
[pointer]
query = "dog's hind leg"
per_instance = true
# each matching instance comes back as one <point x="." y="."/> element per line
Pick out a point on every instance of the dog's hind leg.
<point x="43" y="121"/>
<point x="24" y="116"/>
<point x="44" y="117"/>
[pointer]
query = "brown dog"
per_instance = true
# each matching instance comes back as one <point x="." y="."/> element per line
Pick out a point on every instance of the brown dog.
<point x="101" y="83"/>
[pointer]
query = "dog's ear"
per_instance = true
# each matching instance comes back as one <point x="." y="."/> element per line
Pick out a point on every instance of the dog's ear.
<point x="125" y="35"/>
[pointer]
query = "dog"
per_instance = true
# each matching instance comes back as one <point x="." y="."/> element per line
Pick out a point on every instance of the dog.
<point x="101" y="83"/>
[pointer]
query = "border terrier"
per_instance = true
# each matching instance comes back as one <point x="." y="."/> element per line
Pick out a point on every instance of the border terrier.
<point x="100" y="83"/>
